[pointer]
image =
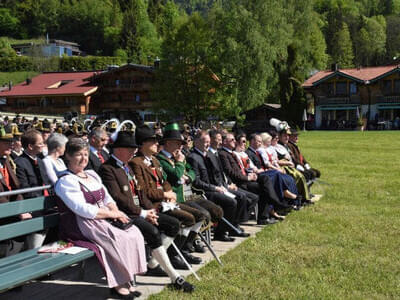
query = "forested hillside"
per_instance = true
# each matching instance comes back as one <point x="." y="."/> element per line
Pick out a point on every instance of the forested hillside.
<point x="261" y="50"/>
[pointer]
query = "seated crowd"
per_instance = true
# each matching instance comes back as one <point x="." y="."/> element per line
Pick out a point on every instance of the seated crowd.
<point x="165" y="185"/>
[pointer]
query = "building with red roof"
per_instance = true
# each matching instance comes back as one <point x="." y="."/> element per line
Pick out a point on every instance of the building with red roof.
<point x="342" y="97"/>
<point x="52" y="92"/>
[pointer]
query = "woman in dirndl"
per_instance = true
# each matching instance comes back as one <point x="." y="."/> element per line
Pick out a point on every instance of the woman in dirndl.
<point x="87" y="207"/>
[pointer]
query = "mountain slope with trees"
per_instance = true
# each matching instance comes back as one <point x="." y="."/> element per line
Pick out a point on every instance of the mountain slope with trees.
<point x="261" y="50"/>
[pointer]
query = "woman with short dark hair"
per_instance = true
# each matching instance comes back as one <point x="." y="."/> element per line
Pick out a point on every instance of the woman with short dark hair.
<point x="88" y="206"/>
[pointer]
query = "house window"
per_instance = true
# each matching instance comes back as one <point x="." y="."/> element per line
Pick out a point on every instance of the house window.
<point x="21" y="103"/>
<point x="387" y="87"/>
<point x="341" y="88"/>
<point x="69" y="101"/>
<point x="44" y="102"/>
<point x="353" y="88"/>
<point x="396" y="88"/>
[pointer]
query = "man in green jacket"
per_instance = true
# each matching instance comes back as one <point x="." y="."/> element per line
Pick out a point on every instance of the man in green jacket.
<point x="180" y="175"/>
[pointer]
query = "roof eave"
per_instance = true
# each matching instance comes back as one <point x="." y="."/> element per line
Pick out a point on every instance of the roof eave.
<point x="394" y="70"/>
<point x="337" y="73"/>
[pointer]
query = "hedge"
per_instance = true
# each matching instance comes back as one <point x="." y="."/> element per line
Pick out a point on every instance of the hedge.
<point x="77" y="63"/>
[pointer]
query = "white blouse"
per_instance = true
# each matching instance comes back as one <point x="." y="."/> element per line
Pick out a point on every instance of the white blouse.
<point x="54" y="168"/>
<point x="283" y="151"/>
<point x="69" y="190"/>
<point x="264" y="155"/>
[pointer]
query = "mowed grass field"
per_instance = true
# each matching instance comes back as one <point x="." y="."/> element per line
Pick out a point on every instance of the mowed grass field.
<point x="347" y="246"/>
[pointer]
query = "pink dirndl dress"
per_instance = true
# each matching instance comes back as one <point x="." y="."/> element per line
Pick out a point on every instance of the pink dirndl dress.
<point x="122" y="251"/>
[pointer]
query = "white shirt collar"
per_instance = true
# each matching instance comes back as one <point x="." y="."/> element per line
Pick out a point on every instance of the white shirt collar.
<point x="33" y="158"/>
<point x="166" y="153"/>
<point x="212" y="150"/>
<point x="119" y="162"/>
<point x="93" y="149"/>
<point x="228" y="150"/>
<point x="200" y="152"/>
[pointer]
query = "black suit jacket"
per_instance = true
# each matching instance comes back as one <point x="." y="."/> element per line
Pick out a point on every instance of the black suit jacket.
<point x="217" y="175"/>
<point x="231" y="167"/>
<point x="94" y="162"/>
<point x="117" y="184"/>
<point x="30" y="175"/>
<point x="203" y="180"/>
<point x="255" y="158"/>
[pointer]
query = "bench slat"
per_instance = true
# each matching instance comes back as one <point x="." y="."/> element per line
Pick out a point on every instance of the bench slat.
<point x="14" y="259"/>
<point x="18" y="207"/>
<point x="28" y="261"/>
<point x="49" y="264"/>
<point x="28" y="226"/>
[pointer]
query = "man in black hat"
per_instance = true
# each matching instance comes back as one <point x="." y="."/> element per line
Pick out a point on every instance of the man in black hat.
<point x="152" y="179"/>
<point x="180" y="175"/>
<point x="299" y="160"/>
<point x="158" y="229"/>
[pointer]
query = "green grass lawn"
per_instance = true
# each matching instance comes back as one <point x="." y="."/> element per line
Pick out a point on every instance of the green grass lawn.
<point x="16" y="77"/>
<point x="345" y="247"/>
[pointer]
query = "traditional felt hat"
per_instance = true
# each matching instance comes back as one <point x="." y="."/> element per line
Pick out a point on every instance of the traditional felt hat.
<point x="144" y="133"/>
<point x="294" y="132"/>
<point x="15" y="130"/>
<point x="172" y="132"/>
<point x="125" y="139"/>
<point x="4" y="136"/>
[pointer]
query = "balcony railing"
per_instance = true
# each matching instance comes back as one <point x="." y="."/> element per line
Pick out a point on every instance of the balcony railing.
<point x="354" y="99"/>
<point x="388" y="99"/>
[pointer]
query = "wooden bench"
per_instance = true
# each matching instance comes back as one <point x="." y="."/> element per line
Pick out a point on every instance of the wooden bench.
<point x="29" y="265"/>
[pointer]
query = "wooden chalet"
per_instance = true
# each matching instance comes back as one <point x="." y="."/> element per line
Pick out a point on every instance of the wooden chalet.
<point x="342" y="97"/>
<point x="53" y="93"/>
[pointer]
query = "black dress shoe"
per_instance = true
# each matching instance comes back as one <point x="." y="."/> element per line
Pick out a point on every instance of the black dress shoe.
<point x="136" y="294"/>
<point x="155" y="272"/>
<point x="189" y="247"/>
<point x="181" y="284"/>
<point x="307" y="202"/>
<point x="178" y="263"/>
<point x="223" y="238"/>
<point x="117" y="295"/>
<point x="268" y="221"/>
<point x="240" y="234"/>
<point x="199" y="246"/>
<point x="191" y="259"/>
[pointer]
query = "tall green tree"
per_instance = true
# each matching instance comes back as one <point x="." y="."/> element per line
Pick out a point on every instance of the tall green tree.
<point x="249" y="39"/>
<point x="392" y="38"/>
<point x="342" y="51"/>
<point x="8" y="23"/>
<point x="185" y="84"/>
<point x="370" y="41"/>
<point x="305" y="52"/>
<point x="139" y="35"/>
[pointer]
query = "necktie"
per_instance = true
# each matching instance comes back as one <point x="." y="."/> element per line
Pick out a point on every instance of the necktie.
<point x="100" y="156"/>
